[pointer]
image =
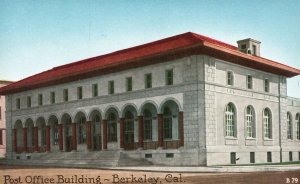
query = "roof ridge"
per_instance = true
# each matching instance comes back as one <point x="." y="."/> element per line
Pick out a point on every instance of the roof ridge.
<point x="124" y="50"/>
<point x="206" y="38"/>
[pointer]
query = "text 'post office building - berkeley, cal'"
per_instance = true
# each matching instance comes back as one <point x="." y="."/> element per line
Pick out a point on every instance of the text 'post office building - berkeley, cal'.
<point x="183" y="100"/>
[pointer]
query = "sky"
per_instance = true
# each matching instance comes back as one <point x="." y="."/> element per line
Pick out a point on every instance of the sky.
<point x="38" y="35"/>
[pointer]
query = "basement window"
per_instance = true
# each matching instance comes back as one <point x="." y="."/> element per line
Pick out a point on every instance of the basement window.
<point x="148" y="155"/>
<point x="169" y="155"/>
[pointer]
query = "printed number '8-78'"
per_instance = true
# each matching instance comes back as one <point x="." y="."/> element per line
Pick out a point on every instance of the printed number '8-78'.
<point x="291" y="180"/>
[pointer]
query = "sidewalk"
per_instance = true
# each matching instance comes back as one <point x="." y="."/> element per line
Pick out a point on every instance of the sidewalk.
<point x="228" y="169"/>
<point x="181" y="169"/>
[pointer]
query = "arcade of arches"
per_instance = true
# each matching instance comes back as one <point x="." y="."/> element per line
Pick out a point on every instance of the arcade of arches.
<point x="149" y="129"/>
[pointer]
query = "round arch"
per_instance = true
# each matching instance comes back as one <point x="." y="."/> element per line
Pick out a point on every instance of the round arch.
<point x="40" y="121"/>
<point x="51" y="117"/>
<point x="93" y="113"/>
<point x="65" y="118"/>
<point x="110" y="109"/>
<point x="148" y="104"/>
<point x="78" y="115"/>
<point x="168" y="100"/>
<point x="18" y="124"/>
<point x="129" y="107"/>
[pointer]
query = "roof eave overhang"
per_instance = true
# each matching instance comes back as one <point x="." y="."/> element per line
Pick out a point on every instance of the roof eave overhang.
<point x="112" y="68"/>
<point x="247" y="60"/>
<point x="223" y="53"/>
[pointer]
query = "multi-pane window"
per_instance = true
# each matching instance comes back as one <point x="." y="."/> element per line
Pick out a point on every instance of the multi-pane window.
<point x="147" y="125"/>
<point x="230" y="120"/>
<point x="112" y="128"/>
<point x="52" y="97"/>
<point x="148" y="80"/>
<point x="95" y="90"/>
<point x="82" y="131"/>
<point x="66" y="95"/>
<point x="289" y="126"/>
<point x="129" y="84"/>
<point x="1" y="137"/>
<point x="55" y="133"/>
<point x="250" y="123"/>
<point x="269" y="156"/>
<point x="167" y="125"/>
<point x="298" y="126"/>
<point x="28" y="101"/>
<point x="252" y="157"/>
<point x="233" y="158"/>
<point x="169" y="77"/>
<point x="267" y="85"/>
<point x="267" y="123"/>
<point x="43" y="132"/>
<point x="40" y="99"/>
<point x="290" y="156"/>
<point x="254" y="49"/>
<point x="230" y="78"/>
<point x="79" y="93"/>
<point x="111" y="87"/>
<point x="18" y="103"/>
<point x="249" y="82"/>
<point x="129" y="128"/>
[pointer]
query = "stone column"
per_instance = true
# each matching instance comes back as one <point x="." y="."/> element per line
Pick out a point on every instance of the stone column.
<point x="141" y="131"/>
<point x="36" y="139"/>
<point x="160" y="130"/>
<point x="74" y="137"/>
<point x="181" y="130"/>
<point x="122" y="122"/>
<point x="25" y="139"/>
<point x="15" y="140"/>
<point x="104" y="122"/>
<point x="47" y="138"/>
<point x="60" y="137"/>
<point x="89" y="135"/>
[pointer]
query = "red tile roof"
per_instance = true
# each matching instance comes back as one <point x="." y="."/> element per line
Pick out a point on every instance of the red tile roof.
<point x="137" y="56"/>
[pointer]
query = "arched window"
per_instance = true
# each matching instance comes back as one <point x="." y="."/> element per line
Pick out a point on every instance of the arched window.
<point x="230" y="120"/>
<point x="55" y="133"/>
<point x="43" y="136"/>
<point x="298" y="125"/>
<point x="230" y="78"/>
<point x="289" y="126"/>
<point x="250" y="122"/>
<point x="167" y="116"/>
<point x="267" y="118"/>
<point x="147" y="125"/>
<point x="30" y="134"/>
<point x="82" y="131"/>
<point x="129" y="127"/>
<point x="96" y="124"/>
<point x="112" y="128"/>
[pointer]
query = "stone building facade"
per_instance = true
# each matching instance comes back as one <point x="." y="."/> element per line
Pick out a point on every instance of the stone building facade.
<point x="183" y="100"/>
<point x="2" y="121"/>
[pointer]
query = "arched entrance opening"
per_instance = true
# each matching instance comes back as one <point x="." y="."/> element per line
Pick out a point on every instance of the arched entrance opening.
<point x="67" y="124"/>
<point x="30" y="135"/>
<point x="41" y="125"/>
<point x="54" y="132"/>
<point x="96" y="130"/>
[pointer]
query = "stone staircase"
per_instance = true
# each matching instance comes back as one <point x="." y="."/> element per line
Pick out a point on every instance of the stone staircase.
<point x="96" y="159"/>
